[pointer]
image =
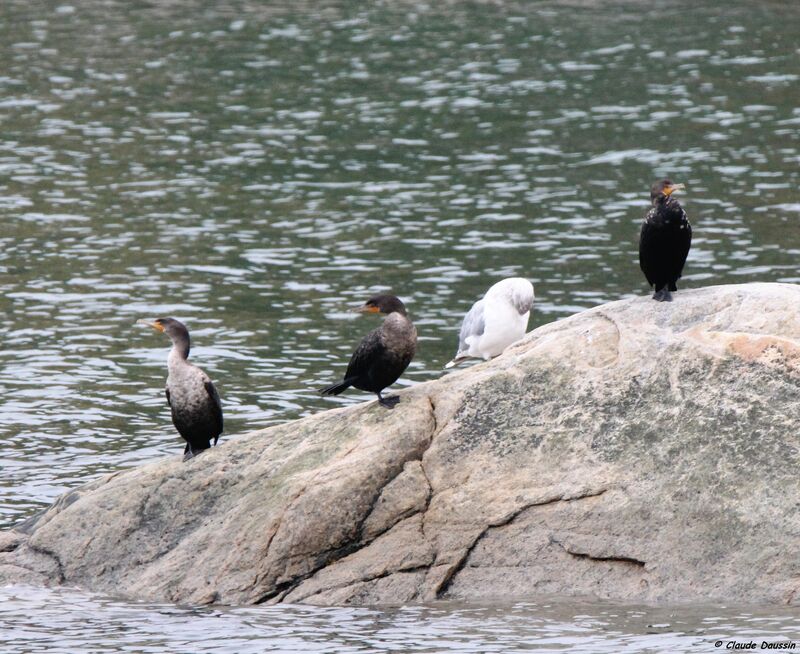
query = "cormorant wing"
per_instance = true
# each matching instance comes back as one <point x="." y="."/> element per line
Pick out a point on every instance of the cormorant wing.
<point x="368" y="350"/>
<point x="647" y="244"/>
<point x="216" y="407"/>
<point x="686" y="244"/>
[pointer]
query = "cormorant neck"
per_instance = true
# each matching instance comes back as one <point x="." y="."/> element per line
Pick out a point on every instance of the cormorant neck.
<point x="398" y="321"/>
<point x="180" y="347"/>
<point x="662" y="201"/>
<point x="399" y="310"/>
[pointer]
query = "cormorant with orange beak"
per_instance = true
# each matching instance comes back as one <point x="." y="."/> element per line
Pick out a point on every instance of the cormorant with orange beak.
<point x="664" y="241"/>
<point x="192" y="398"/>
<point x="383" y="354"/>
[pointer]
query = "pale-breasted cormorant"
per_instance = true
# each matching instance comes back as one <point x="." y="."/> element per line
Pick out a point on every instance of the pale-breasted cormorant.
<point x="192" y="398"/>
<point x="497" y="320"/>
<point x="664" y="241"/>
<point x="383" y="354"/>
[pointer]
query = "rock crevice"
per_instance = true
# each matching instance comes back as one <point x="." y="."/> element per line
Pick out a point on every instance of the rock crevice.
<point x="596" y="557"/>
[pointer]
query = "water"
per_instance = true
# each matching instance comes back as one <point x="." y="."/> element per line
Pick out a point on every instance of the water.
<point x="45" y="623"/>
<point x="255" y="170"/>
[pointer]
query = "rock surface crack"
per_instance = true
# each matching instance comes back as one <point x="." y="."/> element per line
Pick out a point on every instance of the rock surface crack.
<point x="448" y="579"/>
<point x="592" y="557"/>
<point x="52" y="555"/>
<point x="331" y="556"/>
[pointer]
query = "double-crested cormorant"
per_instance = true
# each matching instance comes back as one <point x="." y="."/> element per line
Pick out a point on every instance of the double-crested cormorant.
<point x="383" y="354"/>
<point x="497" y="320"/>
<point x="192" y="398"/>
<point x="664" y="241"/>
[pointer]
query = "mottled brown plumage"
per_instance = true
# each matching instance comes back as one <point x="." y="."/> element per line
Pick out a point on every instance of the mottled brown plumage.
<point x="383" y="354"/>
<point x="193" y="400"/>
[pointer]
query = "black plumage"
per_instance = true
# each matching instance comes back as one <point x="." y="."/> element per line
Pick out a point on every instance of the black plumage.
<point x="193" y="400"/>
<point x="664" y="241"/>
<point x="383" y="354"/>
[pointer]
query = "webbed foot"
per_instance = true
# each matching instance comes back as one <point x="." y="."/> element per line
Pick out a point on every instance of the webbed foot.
<point x="390" y="402"/>
<point x="191" y="452"/>
<point x="662" y="296"/>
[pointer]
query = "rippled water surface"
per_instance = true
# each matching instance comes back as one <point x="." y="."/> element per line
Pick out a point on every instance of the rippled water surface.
<point x="256" y="168"/>
<point x="44" y="623"/>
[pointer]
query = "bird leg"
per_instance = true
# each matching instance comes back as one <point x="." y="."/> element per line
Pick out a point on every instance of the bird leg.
<point x="662" y="295"/>
<point x="389" y="402"/>
<point x="187" y="452"/>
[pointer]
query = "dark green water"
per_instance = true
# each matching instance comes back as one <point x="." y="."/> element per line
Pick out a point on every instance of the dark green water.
<point x="255" y="169"/>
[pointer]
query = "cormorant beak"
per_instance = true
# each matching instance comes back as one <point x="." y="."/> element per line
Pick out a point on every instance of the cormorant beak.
<point x="155" y="325"/>
<point x="669" y="190"/>
<point x="367" y="308"/>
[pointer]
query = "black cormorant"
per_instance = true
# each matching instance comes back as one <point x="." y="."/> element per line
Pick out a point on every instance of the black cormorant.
<point x="664" y="241"/>
<point x="192" y="398"/>
<point x="383" y="354"/>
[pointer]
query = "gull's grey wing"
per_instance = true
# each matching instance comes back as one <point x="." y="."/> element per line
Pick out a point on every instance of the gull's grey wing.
<point x="474" y="325"/>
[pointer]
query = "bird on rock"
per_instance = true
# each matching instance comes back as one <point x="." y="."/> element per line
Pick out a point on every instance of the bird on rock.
<point x="664" y="241"/>
<point x="383" y="354"/>
<point x="497" y="320"/>
<point x="192" y="398"/>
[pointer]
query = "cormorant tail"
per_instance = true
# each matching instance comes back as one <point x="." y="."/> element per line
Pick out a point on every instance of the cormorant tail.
<point x="192" y="451"/>
<point x="672" y="286"/>
<point x="337" y="388"/>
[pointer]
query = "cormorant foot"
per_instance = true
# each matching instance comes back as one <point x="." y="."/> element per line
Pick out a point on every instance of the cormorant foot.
<point x="192" y="452"/>
<point x="389" y="402"/>
<point x="662" y="296"/>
